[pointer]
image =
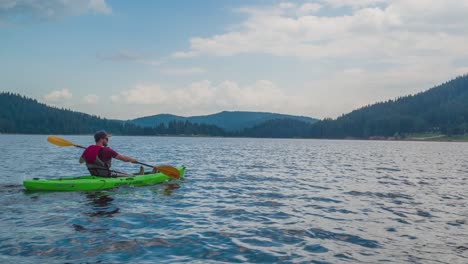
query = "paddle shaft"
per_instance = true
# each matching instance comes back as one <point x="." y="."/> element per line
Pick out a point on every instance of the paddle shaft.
<point x="78" y="146"/>
<point x="147" y="165"/>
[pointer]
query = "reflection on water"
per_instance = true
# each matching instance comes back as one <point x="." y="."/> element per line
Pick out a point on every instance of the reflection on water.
<point x="168" y="188"/>
<point x="99" y="199"/>
<point x="101" y="204"/>
<point x="80" y="228"/>
<point x="243" y="200"/>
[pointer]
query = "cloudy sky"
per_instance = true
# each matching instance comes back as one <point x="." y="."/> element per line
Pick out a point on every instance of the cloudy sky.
<point x="125" y="59"/>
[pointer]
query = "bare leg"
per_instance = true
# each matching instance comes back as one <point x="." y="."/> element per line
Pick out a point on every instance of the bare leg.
<point x="141" y="172"/>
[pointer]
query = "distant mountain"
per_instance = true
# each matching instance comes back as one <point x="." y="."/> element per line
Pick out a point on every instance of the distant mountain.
<point x="230" y="121"/>
<point x="155" y="120"/>
<point x="442" y="109"/>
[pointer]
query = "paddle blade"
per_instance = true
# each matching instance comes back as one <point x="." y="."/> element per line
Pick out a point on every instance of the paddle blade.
<point x="59" y="141"/>
<point x="169" y="171"/>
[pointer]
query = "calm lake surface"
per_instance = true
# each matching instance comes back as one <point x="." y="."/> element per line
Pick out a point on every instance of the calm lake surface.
<point x="243" y="200"/>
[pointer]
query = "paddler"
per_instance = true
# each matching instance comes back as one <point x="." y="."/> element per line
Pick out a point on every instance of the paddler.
<point x="98" y="157"/>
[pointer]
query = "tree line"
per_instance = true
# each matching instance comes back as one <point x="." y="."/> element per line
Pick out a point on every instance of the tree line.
<point x="442" y="109"/>
<point x="19" y="114"/>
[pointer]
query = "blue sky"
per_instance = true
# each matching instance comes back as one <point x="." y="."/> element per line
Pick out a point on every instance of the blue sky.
<point x="125" y="59"/>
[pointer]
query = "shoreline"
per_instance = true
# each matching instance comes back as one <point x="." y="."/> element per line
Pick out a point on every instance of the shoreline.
<point x="441" y="138"/>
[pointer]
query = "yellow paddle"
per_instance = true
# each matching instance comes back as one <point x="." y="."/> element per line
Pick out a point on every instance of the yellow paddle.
<point x="167" y="170"/>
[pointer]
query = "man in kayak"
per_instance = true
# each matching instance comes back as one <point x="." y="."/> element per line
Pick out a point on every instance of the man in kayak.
<point x="98" y="157"/>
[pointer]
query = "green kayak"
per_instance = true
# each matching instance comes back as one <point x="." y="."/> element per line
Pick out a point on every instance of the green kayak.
<point x="93" y="183"/>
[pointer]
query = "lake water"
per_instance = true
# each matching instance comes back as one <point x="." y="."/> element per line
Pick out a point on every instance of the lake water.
<point x="243" y="200"/>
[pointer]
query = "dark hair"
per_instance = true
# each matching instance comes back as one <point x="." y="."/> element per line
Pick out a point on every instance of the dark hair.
<point x="99" y="135"/>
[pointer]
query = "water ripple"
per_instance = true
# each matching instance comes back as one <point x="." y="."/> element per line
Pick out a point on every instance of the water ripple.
<point x="243" y="201"/>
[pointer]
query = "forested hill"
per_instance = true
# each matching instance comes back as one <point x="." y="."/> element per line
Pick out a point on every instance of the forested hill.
<point x="19" y="114"/>
<point x="227" y="120"/>
<point x="277" y="128"/>
<point x="442" y="109"/>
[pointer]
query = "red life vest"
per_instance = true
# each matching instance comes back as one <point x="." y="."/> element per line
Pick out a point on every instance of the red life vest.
<point x="95" y="165"/>
<point x="91" y="153"/>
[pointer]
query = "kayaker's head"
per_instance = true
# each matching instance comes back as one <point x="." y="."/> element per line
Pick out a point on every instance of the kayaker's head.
<point x="102" y="138"/>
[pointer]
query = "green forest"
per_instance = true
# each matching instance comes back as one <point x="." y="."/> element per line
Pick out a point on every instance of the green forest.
<point x="22" y="115"/>
<point x="440" y="110"/>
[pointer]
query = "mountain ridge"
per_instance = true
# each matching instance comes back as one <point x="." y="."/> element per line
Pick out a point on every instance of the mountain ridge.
<point x="228" y="120"/>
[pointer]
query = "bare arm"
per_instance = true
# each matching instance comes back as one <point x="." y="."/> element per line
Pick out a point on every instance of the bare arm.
<point x="126" y="158"/>
<point x="82" y="160"/>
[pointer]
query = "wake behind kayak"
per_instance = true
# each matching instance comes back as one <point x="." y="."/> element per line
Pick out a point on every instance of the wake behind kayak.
<point x="93" y="183"/>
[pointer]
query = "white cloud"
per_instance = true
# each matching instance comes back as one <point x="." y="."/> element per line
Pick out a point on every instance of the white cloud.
<point x="58" y="95"/>
<point x="141" y="94"/>
<point x="99" y="6"/>
<point x="462" y="70"/>
<point x="341" y="92"/>
<point x="354" y="3"/>
<point x="188" y="71"/>
<point x="91" y="99"/>
<point x="308" y="8"/>
<point x="15" y="10"/>
<point x="377" y="50"/>
<point x="392" y="30"/>
<point x="205" y="97"/>
<point x="354" y="71"/>
<point x="286" y="5"/>
<point x="184" y="55"/>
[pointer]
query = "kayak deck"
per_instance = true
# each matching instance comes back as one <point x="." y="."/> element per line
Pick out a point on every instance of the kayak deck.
<point x="93" y="183"/>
